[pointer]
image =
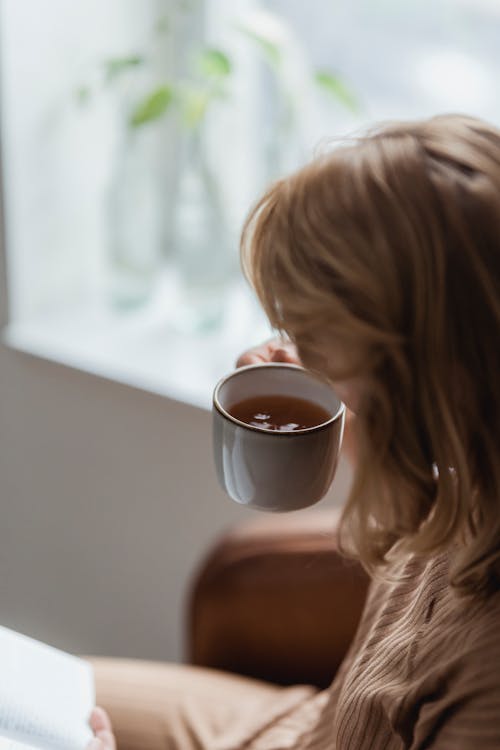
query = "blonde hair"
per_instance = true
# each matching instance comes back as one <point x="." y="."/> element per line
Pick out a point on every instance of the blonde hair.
<point x="389" y="247"/>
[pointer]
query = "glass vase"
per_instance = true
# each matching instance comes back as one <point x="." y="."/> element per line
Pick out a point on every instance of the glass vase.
<point x="204" y="250"/>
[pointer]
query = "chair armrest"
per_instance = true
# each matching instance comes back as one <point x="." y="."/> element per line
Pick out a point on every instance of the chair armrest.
<point x="276" y="601"/>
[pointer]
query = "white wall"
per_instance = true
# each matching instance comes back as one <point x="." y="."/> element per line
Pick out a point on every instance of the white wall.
<point x="107" y="501"/>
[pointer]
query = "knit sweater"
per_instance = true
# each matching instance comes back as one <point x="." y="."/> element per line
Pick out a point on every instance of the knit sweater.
<point x="423" y="673"/>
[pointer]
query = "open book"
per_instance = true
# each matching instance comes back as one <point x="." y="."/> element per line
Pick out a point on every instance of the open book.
<point x="46" y="696"/>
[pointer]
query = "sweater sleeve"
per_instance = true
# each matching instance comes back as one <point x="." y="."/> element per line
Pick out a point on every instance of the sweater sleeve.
<point x="475" y="725"/>
<point x="310" y="723"/>
<point x="468" y="715"/>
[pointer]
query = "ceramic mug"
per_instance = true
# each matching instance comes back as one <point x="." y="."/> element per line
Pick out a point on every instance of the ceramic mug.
<point x="269" y="470"/>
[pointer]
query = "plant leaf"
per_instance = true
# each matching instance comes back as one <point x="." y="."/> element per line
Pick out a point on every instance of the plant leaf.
<point x="270" y="50"/>
<point x="334" y="86"/>
<point x="214" y="63"/>
<point x="195" y="103"/>
<point x="117" y="65"/>
<point x="152" y="107"/>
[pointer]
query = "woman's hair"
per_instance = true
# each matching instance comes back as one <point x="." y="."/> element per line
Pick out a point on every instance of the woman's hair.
<point x="387" y="249"/>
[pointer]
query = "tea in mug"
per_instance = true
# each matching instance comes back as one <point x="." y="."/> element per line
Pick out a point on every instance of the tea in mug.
<point x="279" y="413"/>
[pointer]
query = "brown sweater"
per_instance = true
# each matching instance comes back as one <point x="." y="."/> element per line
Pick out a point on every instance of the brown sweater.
<point x="423" y="673"/>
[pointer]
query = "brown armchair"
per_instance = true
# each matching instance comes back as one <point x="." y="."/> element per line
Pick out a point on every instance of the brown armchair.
<point x="274" y="600"/>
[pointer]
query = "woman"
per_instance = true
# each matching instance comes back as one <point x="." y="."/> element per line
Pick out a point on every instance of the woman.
<point x="380" y="261"/>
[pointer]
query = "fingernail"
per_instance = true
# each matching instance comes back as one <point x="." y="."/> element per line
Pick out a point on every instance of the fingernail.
<point x="95" y="744"/>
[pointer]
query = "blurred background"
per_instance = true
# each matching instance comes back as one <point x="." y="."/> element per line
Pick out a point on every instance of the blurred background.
<point x="135" y="136"/>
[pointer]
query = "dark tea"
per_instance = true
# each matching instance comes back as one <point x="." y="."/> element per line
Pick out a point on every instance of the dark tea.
<point x="279" y="413"/>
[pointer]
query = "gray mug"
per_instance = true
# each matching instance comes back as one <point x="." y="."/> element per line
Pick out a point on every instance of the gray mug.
<point x="275" y="471"/>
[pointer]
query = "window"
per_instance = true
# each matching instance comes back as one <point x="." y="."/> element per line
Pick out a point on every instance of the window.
<point x="136" y="135"/>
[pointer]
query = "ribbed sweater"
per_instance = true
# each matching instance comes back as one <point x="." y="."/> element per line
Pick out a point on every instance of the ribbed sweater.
<point x="423" y="673"/>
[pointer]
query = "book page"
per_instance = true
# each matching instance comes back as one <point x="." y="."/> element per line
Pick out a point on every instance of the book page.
<point x="6" y="744"/>
<point x="46" y="695"/>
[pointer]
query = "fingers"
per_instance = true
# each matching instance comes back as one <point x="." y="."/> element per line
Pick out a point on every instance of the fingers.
<point x="104" y="741"/>
<point x="101" y="726"/>
<point x="274" y="350"/>
<point x="107" y="738"/>
<point x="250" y="358"/>
<point x="285" y="353"/>
<point x="258" y="354"/>
<point x="99" y="720"/>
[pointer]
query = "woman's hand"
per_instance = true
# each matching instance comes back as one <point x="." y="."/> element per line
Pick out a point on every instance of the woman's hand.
<point x="274" y="350"/>
<point x="101" y="726"/>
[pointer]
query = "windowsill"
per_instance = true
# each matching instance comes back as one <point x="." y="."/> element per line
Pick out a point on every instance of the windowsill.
<point x="141" y="349"/>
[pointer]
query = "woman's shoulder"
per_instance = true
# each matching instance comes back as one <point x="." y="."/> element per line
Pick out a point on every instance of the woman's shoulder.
<point x="483" y="625"/>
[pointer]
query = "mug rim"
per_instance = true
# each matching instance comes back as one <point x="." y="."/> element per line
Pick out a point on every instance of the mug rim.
<point x="262" y="430"/>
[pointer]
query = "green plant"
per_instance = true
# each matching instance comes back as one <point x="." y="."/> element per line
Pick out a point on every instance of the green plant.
<point x="208" y="78"/>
